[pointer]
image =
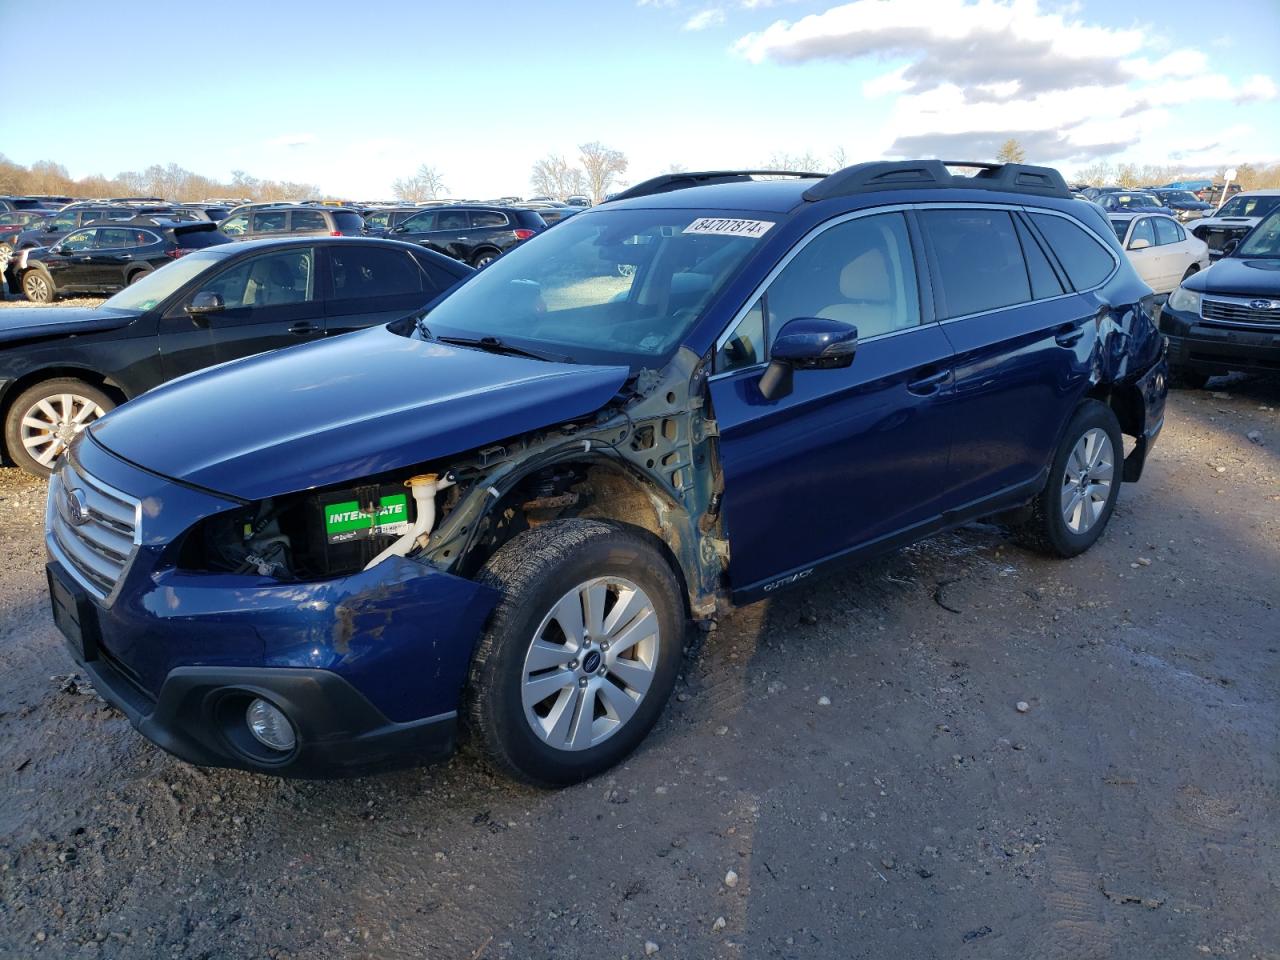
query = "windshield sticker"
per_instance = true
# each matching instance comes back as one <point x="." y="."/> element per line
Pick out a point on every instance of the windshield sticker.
<point x="719" y="226"/>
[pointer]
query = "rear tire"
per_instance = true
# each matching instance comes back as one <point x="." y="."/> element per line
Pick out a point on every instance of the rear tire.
<point x="46" y="417"/>
<point x="546" y="658"/>
<point x="37" y="286"/>
<point x="1072" y="510"/>
<point x="136" y="276"/>
<point x="1187" y="378"/>
<point x="484" y="258"/>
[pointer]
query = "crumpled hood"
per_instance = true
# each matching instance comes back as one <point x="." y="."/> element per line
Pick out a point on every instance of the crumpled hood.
<point x="1239" y="276"/>
<point x="342" y="409"/>
<point x="28" y="323"/>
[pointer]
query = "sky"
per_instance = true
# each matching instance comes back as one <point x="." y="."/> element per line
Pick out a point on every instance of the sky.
<point x="351" y="95"/>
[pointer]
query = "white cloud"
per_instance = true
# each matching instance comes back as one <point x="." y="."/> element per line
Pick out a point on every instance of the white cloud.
<point x="292" y="140"/>
<point x="972" y="73"/>
<point x="711" y="17"/>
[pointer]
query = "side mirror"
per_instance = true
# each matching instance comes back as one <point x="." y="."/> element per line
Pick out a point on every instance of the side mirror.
<point x="56" y="248"/>
<point x="807" y="343"/>
<point x="1140" y="243"/>
<point x="204" y="303"/>
<point x="400" y="228"/>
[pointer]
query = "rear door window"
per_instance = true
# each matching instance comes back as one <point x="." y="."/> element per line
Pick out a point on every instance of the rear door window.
<point x="1088" y="263"/>
<point x="451" y="220"/>
<point x="488" y="218"/>
<point x="120" y="238"/>
<point x="1166" y="231"/>
<point x="978" y="260"/>
<point x="308" y="221"/>
<point x="271" y="221"/>
<point x="365" y="275"/>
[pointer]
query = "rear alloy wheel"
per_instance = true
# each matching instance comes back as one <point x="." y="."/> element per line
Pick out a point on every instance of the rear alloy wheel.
<point x="44" y="419"/>
<point x="1084" y="480"/>
<point x="580" y="654"/>
<point x="135" y="277"/>
<point x="483" y="259"/>
<point x="38" y="286"/>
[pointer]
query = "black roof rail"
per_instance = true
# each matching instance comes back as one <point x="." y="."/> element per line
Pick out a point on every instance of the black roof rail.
<point x="680" y="181"/>
<point x="933" y="174"/>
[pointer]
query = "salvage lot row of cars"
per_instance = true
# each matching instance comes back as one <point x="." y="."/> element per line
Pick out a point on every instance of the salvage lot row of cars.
<point x="499" y="510"/>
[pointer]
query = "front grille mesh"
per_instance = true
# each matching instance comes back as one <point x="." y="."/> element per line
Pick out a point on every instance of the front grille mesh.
<point x="96" y="550"/>
<point x="1235" y="312"/>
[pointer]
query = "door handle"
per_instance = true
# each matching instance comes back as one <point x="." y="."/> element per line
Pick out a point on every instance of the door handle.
<point x="304" y="327"/>
<point x="126" y="256"/>
<point x="927" y="380"/>
<point x="1068" y="335"/>
<point x="463" y="239"/>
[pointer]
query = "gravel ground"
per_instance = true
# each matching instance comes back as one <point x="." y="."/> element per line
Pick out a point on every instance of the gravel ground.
<point x="845" y="772"/>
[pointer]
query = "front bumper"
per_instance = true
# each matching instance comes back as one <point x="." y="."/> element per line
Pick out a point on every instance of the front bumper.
<point x="368" y="667"/>
<point x="1214" y="350"/>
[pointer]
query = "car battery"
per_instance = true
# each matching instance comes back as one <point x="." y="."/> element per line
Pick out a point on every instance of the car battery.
<point x="350" y="527"/>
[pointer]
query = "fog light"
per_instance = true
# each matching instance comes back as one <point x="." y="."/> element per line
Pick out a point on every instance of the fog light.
<point x="270" y="726"/>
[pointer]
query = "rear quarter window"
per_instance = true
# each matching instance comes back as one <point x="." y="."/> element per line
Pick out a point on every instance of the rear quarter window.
<point x="488" y="218"/>
<point x="348" y="221"/>
<point x="1086" y="261"/>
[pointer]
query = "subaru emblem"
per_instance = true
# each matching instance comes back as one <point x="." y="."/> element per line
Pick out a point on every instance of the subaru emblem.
<point x="77" y="510"/>
<point x="1263" y="304"/>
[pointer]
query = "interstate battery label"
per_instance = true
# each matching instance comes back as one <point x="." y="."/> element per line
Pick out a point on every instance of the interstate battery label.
<point x="350" y="521"/>
<point x="724" y="227"/>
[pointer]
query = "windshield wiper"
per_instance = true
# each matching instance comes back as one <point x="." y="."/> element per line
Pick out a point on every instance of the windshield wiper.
<point x="494" y="345"/>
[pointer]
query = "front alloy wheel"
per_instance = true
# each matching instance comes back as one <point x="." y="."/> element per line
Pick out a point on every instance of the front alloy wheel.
<point x="45" y="419"/>
<point x="591" y="663"/>
<point x="580" y="654"/>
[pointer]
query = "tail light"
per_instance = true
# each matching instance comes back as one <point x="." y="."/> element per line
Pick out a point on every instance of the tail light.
<point x="177" y="252"/>
<point x="336" y="233"/>
<point x="523" y="234"/>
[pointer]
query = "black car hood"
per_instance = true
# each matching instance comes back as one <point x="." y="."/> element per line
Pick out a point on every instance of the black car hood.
<point x="1239" y="276"/>
<point x="343" y="409"/>
<point x="31" y="323"/>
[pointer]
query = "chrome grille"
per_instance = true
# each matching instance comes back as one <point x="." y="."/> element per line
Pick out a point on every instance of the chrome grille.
<point x="1239" y="312"/>
<point x="91" y="528"/>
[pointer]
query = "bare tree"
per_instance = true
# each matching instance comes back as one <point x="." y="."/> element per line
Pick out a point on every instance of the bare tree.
<point x="839" y="159"/>
<point x="553" y="176"/>
<point x="601" y="166"/>
<point x="676" y="167"/>
<point x="798" y="162"/>
<point x="1097" y="174"/>
<point x="1011" y="152"/>
<point x="425" y="184"/>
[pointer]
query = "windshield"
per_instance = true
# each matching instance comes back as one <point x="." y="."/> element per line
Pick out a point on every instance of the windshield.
<point x="1263" y="240"/>
<point x="1248" y="206"/>
<point x="160" y="284"/>
<point x="1126" y="200"/>
<point x="609" y="286"/>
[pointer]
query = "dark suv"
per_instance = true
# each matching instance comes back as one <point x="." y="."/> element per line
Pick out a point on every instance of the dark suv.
<point x="51" y="229"/>
<point x="293" y="219"/>
<point x="107" y="256"/>
<point x="1228" y="318"/>
<point x="474" y="234"/>
<point x="378" y="221"/>
<point x="502" y="512"/>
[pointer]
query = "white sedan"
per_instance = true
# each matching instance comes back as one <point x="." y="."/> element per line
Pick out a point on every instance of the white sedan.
<point x="1160" y="249"/>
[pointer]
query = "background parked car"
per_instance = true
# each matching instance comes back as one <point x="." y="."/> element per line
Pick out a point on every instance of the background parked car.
<point x="1184" y="204"/>
<point x="49" y="230"/>
<point x="293" y="219"/>
<point x="1228" y="318"/>
<point x="1131" y="201"/>
<point x="107" y="257"/>
<point x="216" y="212"/>
<point x="12" y="224"/>
<point x="220" y="303"/>
<point x="10" y="204"/>
<point x="1213" y="194"/>
<point x="1235" y="218"/>
<point x="1162" y="252"/>
<point x="474" y="234"/>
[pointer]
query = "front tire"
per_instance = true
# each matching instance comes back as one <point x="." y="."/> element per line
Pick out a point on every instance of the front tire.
<point x="38" y="287"/>
<point x="45" y="418"/>
<point x="1072" y="510"/>
<point x="581" y="653"/>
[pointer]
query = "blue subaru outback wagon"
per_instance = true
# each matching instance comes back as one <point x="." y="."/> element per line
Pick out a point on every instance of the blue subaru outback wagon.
<point x="497" y="516"/>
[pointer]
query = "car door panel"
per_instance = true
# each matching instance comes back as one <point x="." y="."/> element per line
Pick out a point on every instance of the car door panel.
<point x="848" y="458"/>
<point x="273" y="300"/>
